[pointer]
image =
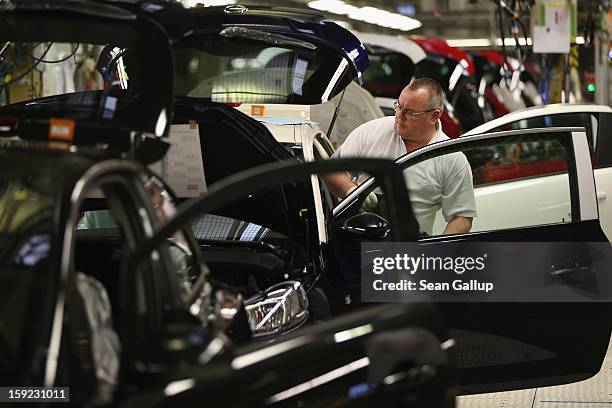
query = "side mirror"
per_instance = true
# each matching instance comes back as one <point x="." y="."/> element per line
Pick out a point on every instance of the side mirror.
<point x="366" y="225"/>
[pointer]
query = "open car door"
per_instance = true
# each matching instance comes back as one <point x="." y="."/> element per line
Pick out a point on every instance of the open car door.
<point x="520" y="343"/>
<point x="337" y="362"/>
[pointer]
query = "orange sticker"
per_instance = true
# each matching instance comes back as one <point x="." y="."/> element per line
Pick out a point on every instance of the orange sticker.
<point x="193" y="124"/>
<point x="61" y="129"/>
<point x="257" y="110"/>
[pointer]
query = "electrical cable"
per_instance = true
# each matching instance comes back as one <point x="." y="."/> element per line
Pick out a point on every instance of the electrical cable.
<point x="57" y="61"/>
<point x="500" y="18"/>
<point x="28" y="71"/>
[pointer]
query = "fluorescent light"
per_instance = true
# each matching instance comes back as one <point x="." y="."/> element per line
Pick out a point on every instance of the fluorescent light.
<point x="485" y="42"/>
<point x="469" y="42"/>
<point x="371" y="15"/>
<point x="511" y="42"/>
<point x="333" y="6"/>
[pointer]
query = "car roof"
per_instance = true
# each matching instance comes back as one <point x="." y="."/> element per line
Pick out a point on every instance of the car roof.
<point x="539" y="111"/>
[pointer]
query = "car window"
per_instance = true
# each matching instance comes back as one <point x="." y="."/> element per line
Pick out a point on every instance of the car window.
<point x="604" y="142"/>
<point x="387" y="74"/>
<point x="211" y="227"/>
<point x="478" y="182"/>
<point x="82" y="76"/>
<point x="27" y="205"/>
<point x="233" y="69"/>
<point x="101" y="242"/>
<point x="101" y="221"/>
<point x="556" y="120"/>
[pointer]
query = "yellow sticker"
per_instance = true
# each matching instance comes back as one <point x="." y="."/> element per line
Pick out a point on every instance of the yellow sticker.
<point x="61" y="129"/>
<point x="257" y="110"/>
<point x="193" y="124"/>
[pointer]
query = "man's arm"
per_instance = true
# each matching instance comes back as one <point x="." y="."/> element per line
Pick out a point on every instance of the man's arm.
<point x="458" y="225"/>
<point x="339" y="184"/>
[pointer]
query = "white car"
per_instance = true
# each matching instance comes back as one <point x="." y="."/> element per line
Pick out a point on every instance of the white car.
<point x="303" y="129"/>
<point x="534" y="173"/>
<point x="292" y="127"/>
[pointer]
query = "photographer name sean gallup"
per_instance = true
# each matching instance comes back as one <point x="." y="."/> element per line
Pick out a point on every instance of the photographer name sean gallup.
<point x="458" y="285"/>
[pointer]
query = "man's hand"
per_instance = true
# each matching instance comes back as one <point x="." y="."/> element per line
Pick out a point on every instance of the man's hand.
<point x="370" y="204"/>
<point x="339" y="184"/>
<point x="458" y="225"/>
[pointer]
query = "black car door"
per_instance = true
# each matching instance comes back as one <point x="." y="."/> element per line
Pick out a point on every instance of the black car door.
<point x="529" y="186"/>
<point x="338" y="360"/>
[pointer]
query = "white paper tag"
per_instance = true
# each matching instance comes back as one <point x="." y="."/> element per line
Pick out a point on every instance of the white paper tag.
<point x="182" y="167"/>
<point x="554" y="35"/>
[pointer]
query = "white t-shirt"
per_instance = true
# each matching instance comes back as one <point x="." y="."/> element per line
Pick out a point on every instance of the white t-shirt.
<point x="444" y="182"/>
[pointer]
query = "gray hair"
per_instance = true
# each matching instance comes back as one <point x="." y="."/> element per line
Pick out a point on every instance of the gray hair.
<point x="436" y="95"/>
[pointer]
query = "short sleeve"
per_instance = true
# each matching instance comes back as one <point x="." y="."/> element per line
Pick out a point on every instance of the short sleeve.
<point x="352" y="146"/>
<point x="458" y="190"/>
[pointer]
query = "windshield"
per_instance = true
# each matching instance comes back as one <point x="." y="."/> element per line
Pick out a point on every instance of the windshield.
<point x="38" y="69"/>
<point x="388" y="73"/>
<point x="242" y="70"/>
<point x="26" y="209"/>
<point x="95" y="73"/>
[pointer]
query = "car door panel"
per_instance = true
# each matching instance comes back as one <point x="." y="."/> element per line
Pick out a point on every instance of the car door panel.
<point x="505" y="346"/>
<point x="340" y="344"/>
<point x="545" y="340"/>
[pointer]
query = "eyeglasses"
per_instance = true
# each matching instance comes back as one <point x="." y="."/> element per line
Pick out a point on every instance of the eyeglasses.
<point x="407" y="113"/>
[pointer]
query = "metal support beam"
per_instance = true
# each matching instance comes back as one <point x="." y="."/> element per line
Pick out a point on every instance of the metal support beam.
<point x="602" y="71"/>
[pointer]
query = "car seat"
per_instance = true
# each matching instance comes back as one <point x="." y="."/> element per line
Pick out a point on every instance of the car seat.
<point x="103" y="357"/>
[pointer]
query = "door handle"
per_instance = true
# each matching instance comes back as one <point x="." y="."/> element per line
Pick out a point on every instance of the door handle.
<point x="602" y="195"/>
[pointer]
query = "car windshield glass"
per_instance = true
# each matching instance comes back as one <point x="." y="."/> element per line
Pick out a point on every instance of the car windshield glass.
<point x="206" y="227"/>
<point x="37" y="69"/>
<point x="241" y="70"/>
<point x="96" y="72"/>
<point x="388" y="73"/>
<point x="26" y="210"/>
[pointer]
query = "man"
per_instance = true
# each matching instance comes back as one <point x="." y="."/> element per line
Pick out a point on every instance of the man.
<point x="444" y="182"/>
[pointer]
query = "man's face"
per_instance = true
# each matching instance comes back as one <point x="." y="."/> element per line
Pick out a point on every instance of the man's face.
<point x="420" y="126"/>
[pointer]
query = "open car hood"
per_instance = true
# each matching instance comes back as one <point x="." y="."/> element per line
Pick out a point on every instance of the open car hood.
<point x="255" y="54"/>
<point x="104" y="111"/>
<point x="232" y="142"/>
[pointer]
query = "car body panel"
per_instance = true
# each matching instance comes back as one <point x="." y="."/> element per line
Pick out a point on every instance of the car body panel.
<point x="162" y="342"/>
<point x="144" y="106"/>
<point x="597" y="134"/>
<point x="441" y="47"/>
<point x="534" y="344"/>
<point x="534" y="111"/>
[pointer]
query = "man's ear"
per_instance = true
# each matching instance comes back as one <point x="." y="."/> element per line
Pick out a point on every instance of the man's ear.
<point x="436" y="115"/>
